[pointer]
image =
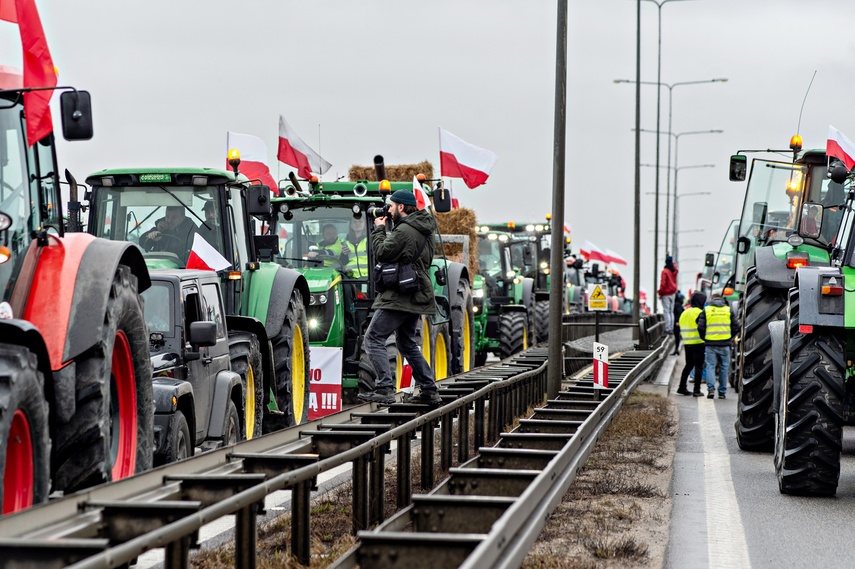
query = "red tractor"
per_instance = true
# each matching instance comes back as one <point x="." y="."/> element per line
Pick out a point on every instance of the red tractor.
<point x="76" y="403"/>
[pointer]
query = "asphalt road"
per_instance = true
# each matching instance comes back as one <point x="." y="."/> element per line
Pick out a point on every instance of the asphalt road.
<point x="727" y="510"/>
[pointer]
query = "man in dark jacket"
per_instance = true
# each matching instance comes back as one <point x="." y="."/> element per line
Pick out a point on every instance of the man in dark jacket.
<point x="411" y="237"/>
<point x="717" y="326"/>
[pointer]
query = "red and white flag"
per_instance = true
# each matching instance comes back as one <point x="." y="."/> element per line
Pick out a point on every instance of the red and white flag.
<point x="422" y="199"/>
<point x="594" y="253"/>
<point x="840" y="147"/>
<point x="615" y="258"/>
<point x="459" y="159"/>
<point x="203" y="256"/>
<point x="297" y="154"/>
<point x="38" y="65"/>
<point x="253" y="158"/>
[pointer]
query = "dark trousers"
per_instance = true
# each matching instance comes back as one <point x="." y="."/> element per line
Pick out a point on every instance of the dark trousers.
<point x="694" y="360"/>
<point x="404" y="324"/>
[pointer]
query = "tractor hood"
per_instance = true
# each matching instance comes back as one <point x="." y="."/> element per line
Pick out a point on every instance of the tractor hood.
<point x="321" y="279"/>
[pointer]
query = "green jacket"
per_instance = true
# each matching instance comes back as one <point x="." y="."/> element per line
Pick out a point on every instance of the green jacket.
<point x="401" y="246"/>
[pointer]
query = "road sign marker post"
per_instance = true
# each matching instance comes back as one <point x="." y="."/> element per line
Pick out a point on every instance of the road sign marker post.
<point x="601" y="366"/>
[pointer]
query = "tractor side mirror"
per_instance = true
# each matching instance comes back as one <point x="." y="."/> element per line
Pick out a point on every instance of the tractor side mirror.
<point x="738" y="167"/>
<point x="266" y="247"/>
<point x="709" y="260"/>
<point x="742" y="245"/>
<point x="811" y="222"/>
<point x="839" y="173"/>
<point x="258" y="201"/>
<point x="440" y="276"/>
<point x="76" y="111"/>
<point x="528" y="259"/>
<point x="202" y="334"/>
<point x="716" y="276"/>
<point x="441" y="199"/>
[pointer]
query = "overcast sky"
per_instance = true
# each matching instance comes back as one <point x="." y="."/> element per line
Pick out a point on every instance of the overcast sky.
<point x="356" y="78"/>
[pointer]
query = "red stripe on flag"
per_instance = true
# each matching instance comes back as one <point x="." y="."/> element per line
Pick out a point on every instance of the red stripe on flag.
<point x="449" y="166"/>
<point x="833" y="148"/>
<point x="293" y="157"/>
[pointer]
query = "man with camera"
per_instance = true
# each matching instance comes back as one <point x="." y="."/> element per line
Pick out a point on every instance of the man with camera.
<point x="409" y="242"/>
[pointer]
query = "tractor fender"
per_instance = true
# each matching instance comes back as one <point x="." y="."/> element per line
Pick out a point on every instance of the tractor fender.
<point x="225" y="384"/>
<point x="255" y="326"/>
<point x="772" y="272"/>
<point x="814" y="309"/>
<point x="528" y="292"/>
<point x="512" y="308"/>
<point x="71" y="288"/>
<point x="777" y="328"/>
<point x="456" y="271"/>
<point x="23" y="333"/>
<point x="270" y="294"/>
<point x="164" y="389"/>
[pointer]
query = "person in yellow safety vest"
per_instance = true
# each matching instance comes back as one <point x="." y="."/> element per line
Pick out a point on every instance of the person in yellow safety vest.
<point x="330" y="248"/>
<point x="717" y="325"/>
<point x="693" y="343"/>
<point x="355" y="246"/>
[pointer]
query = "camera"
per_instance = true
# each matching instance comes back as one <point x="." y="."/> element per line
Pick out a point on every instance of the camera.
<point x="379" y="211"/>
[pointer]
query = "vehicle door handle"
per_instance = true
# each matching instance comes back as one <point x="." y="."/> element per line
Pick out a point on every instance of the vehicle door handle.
<point x="207" y="361"/>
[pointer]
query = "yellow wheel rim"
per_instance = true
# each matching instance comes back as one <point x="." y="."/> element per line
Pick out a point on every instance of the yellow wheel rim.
<point x="441" y="363"/>
<point x="249" y="414"/>
<point x="467" y="344"/>
<point x="298" y="374"/>
<point x="399" y="371"/>
<point x="426" y="341"/>
<point x="525" y="339"/>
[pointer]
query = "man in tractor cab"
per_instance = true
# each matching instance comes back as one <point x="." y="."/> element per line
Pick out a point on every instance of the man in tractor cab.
<point x="330" y="248"/>
<point x="355" y="247"/>
<point x="171" y="234"/>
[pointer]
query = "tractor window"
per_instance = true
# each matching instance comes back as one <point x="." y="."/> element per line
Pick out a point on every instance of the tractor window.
<point x="213" y="308"/>
<point x="158" y="307"/>
<point x="14" y="199"/>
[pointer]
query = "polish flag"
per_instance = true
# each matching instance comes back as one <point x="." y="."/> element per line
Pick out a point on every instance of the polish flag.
<point x="422" y="199"/>
<point x="203" y="256"/>
<point x="253" y="158"/>
<point x="459" y="159"/>
<point x="840" y="147"/>
<point x="594" y="253"/>
<point x="297" y="154"/>
<point x="615" y="258"/>
<point x="38" y="65"/>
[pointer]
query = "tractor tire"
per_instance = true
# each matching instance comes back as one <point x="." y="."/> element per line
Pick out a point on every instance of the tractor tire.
<point x="111" y="434"/>
<point x="531" y="324"/>
<point x="24" y="433"/>
<point x="462" y="329"/>
<point x="755" y="424"/>
<point x="291" y="359"/>
<point x="231" y="425"/>
<point x="480" y="359"/>
<point x="179" y="444"/>
<point x="513" y="333"/>
<point x="541" y="318"/>
<point x="736" y="349"/>
<point x="809" y="429"/>
<point x="440" y="356"/>
<point x="245" y="356"/>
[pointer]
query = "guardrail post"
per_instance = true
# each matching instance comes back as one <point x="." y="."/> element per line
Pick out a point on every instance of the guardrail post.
<point x="360" y="494"/>
<point x="463" y="435"/>
<point x="378" y="502"/>
<point x="301" y="533"/>
<point x="427" y="456"/>
<point x="246" y="535"/>
<point x="446" y="451"/>
<point x="404" y="468"/>
<point x="177" y="554"/>
<point x="478" y="440"/>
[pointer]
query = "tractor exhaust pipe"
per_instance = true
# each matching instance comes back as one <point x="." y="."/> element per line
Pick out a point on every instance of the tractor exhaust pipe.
<point x="379" y="168"/>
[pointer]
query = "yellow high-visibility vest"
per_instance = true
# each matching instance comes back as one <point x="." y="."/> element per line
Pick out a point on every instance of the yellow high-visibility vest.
<point x="718" y="323"/>
<point x="358" y="261"/>
<point x="689" y="326"/>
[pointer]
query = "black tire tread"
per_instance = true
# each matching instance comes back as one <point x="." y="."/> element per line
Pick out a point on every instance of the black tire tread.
<point x="462" y="309"/>
<point x="283" y="344"/>
<point x="245" y="351"/>
<point x="512" y="326"/>
<point x="541" y="318"/>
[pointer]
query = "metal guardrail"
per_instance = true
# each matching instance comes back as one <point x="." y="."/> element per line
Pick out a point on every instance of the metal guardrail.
<point x="111" y="525"/>
<point x="491" y="509"/>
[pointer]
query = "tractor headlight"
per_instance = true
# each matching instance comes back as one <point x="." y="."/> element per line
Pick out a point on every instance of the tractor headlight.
<point x="313" y="323"/>
<point x="479" y="293"/>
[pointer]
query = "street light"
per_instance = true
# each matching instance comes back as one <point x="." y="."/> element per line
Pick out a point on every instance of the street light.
<point x="674" y="242"/>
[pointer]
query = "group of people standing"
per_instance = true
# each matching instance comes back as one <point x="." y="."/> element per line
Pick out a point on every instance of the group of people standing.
<point x="706" y="328"/>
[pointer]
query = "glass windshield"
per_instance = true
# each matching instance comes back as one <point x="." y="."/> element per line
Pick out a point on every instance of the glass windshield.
<point x="490" y="256"/>
<point x="158" y="307"/>
<point x="324" y="236"/>
<point x="828" y="194"/>
<point x="162" y="220"/>
<point x="726" y="255"/>
<point x="14" y="198"/>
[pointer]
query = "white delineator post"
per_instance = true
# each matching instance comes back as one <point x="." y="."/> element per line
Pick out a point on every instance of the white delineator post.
<point x="601" y="365"/>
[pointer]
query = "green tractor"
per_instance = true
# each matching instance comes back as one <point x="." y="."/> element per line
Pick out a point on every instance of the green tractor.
<point x="507" y="314"/>
<point x="165" y="211"/>
<point x="770" y="247"/>
<point x="312" y="227"/>
<point x="815" y="349"/>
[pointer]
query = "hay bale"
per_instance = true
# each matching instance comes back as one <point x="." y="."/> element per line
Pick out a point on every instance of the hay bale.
<point x="461" y="221"/>
<point x="394" y="172"/>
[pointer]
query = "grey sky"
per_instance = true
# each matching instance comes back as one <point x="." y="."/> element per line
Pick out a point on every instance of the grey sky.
<point x="168" y="79"/>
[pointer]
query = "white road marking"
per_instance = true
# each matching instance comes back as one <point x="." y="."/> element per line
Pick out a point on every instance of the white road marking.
<point x="725" y="535"/>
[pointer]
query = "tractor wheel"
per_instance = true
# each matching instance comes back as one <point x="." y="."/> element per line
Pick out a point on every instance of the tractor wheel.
<point x="24" y="437"/>
<point x="480" y="359"/>
<point x="736" y="351"/>
<point x="541" y="318"/>
<point x="755" y="424"/>
<point x="179" y="444"/>
<point x="513" y="333"/>
<point x="809" y="429"/>
<point x="245" y="356"/>
<point x="231" y="425"/>
<point x="462" y="329"/>
<point x="531" y="326"/>
<point x="440" y="355"/>
<point x="291" y="357"/>
<point x="111" y="433"/>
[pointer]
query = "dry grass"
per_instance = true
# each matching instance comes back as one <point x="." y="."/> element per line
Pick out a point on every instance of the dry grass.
<point x="612" y="515"/>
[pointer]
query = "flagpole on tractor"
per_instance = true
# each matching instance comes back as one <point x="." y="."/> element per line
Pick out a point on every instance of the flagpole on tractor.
<point x="555" y="369"/>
